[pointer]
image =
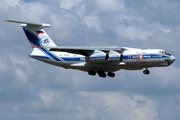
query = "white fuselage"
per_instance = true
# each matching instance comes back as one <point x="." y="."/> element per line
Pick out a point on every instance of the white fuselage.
<point x="133" y="59"/>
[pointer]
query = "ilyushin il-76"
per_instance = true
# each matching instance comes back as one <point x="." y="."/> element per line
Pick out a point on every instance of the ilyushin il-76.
<point x="101" y="60"/>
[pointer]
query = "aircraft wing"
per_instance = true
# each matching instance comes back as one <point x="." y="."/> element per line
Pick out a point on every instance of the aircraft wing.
<point x="86" y="50"/>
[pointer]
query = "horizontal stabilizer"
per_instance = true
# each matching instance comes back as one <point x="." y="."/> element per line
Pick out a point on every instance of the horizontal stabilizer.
<point x="23" y="24"/>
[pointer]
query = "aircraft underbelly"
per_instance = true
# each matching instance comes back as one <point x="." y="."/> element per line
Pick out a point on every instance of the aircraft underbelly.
<point x="107" y="67"/>
<point x="145" y="63"/>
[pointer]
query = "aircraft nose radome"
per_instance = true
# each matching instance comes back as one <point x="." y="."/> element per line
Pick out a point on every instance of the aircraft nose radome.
<point x="172" y="59"/>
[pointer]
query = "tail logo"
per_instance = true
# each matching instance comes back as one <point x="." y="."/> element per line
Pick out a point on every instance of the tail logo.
<point x="44" y="41"/>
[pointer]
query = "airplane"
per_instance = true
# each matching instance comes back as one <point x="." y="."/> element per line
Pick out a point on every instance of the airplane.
<point x="101" y="60"/>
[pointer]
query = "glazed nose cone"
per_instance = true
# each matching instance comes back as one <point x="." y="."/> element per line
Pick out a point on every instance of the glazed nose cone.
<point x="172" y="59"/>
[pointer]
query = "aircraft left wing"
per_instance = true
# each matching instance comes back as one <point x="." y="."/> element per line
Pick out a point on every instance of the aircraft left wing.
<point x="86" y="50"/>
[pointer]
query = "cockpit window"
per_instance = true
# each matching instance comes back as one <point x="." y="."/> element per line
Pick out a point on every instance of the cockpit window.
<point x="165" y="53"/>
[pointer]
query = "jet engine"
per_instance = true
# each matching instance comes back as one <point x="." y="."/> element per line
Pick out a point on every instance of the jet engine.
<point x="97" y="56"/>
<point x="100" y="56"/>
<point x="115" y="57"/>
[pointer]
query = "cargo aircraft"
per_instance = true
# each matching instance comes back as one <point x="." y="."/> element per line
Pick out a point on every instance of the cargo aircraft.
<point x="101" y="60"/>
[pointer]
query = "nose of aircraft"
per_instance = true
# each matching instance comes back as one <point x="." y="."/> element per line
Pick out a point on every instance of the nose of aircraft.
<point x="172" y="59"/>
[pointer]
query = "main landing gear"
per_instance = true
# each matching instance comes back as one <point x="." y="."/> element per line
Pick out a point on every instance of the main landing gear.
<point x="101" y="73"/>
<point x="92" y="72"/>
<point x="111" y="74"/>
<point x="146" y="71"/>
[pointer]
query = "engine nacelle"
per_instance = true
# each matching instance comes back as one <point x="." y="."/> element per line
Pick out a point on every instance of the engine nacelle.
<point x="115" y="57"/>
<point x="97" y="56"/>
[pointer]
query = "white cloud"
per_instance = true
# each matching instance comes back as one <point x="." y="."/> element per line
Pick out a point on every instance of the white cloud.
<point x="163" y="28"/>
<point x="91" y="105"/>
<point x="92" y="22"/>
<point x="166" y="75"/>
<point x="132" y="32"/>
<point x="115" y="105"/>
<point x="81" y="10"/>
<point x="6" y="4"/>
<point x="4" y="66"/>
<point x="147" y="109"/>
<point x="29" y="12"/>
<point x="110" y="5"/>
<point x="47" y="97"/>
<point x="21" y="68"/>
<point x="12" y="2"/>
<point x="67" y="4"/>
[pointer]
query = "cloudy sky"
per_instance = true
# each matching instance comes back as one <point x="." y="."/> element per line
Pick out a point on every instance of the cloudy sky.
<point x="30" y="89"/>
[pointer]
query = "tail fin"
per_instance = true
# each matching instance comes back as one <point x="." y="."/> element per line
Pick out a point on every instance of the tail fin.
<point x="36" y="34"/>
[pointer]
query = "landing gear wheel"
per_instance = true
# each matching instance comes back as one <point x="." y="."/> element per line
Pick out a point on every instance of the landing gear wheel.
<point x="101" y="73"/>
<point x="91" y="72"/>
<point x="146" y="71"/>
<point x="111" y="74"/>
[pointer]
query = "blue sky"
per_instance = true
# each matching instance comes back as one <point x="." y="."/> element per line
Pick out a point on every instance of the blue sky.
<point x="30" y="89"/>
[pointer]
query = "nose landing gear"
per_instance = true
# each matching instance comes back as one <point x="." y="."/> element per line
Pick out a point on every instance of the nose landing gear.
<point x="146" y="71"/>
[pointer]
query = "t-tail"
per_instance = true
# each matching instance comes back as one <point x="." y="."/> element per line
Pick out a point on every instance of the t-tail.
<point x="39" y="40"/>
<point x="36" y="34"/>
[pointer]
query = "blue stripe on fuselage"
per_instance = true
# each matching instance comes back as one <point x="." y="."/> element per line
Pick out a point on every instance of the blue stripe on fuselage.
<point x="77" y="59"/>
<point x="146" y="56"/>
<point x="43" y="57"/>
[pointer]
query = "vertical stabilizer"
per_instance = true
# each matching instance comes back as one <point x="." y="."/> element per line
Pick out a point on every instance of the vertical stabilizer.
<point x="39" y="40"/>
